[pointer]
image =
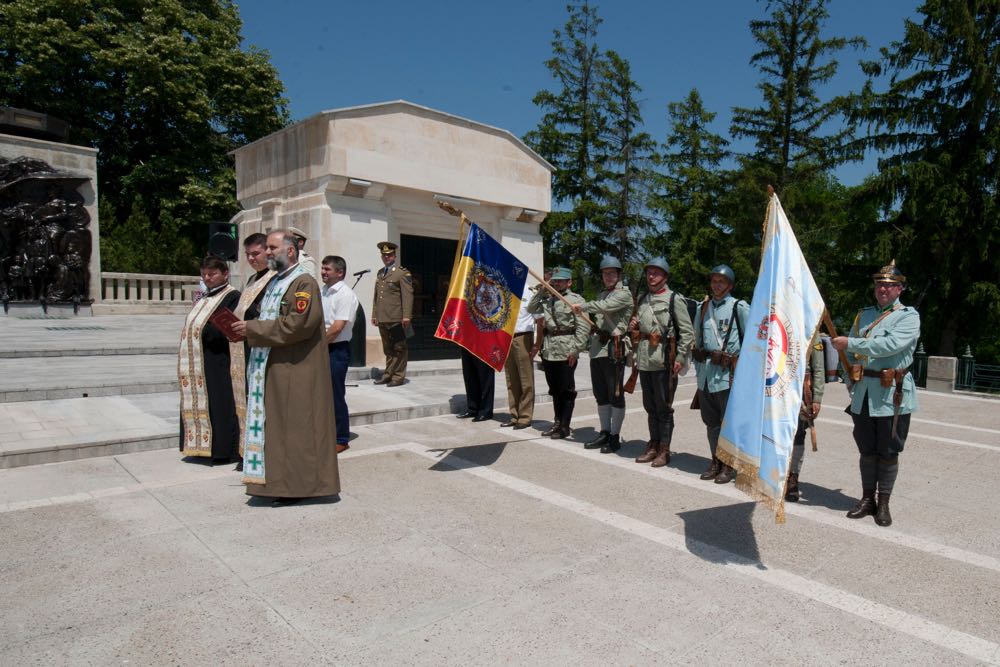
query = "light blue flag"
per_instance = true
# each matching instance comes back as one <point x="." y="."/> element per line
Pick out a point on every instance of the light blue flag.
<point x="763" y="410"/>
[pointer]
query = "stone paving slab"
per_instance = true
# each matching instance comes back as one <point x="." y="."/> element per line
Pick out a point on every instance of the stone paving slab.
<point x="459" y="543"/>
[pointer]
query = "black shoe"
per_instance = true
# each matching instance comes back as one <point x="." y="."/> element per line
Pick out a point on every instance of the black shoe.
<point x="239" y="466"/>
<point x="518" y="427"/>
<point x="865" y="507"/>
<point x="482" y="418"/>
<point x="550" y="430"/>
<point x="384" y="380"/>
<point x="508" y="423"/>
<point x="466" y="415"/>
<point x="559" y="433"/>
<point x="613" y="445"/>
<point x="599" y="441"/>
<point x="282" y="502"/>
<point x="396" y="383"/>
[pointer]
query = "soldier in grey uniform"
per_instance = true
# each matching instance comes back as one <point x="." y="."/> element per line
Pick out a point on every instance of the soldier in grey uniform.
<point x="609" y="346"/>
<point x="883" y="394"/>
<point x="566" y="336"/>
<point x="812" y="397"/>
<point x="392" y="309"/>
<point x="662" y="331"/>
<point x="719" y="325"/>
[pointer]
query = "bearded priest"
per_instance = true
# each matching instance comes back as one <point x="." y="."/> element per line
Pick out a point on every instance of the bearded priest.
<point x="290" y="445"/>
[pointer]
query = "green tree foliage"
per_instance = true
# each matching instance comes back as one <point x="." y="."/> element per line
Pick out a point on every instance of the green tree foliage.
<point x="793" y="149"/>
<point x="164" y="91"/>
<point x="939" y="123"/>
<point x="687" y="196"/>
<point x="628" y="153"/>
<point x="795" y="60"/>
<point x="569" y="135"/>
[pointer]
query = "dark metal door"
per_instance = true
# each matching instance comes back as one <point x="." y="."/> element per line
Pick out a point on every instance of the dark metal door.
<point x="430" y="262"/>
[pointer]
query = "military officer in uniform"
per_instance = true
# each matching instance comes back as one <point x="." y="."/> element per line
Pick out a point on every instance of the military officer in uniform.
<point x="567" y="335"/>
<point x="719" y="324"/>
<point x="662" y="331"/>
<point x="609" y="346"/>
<point x="883" y="394"/>
<point x="392" y="309"/>
<point x="305" y="260"/>
<point x="812" y="397"/>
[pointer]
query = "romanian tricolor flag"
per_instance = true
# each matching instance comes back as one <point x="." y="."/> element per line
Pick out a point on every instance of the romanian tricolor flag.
<point x="484" y="298"/>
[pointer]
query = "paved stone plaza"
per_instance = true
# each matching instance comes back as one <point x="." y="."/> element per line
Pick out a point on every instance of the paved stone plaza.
<point x="460" y="543"/>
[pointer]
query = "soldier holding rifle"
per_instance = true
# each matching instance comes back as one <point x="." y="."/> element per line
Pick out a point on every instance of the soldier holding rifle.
<point x="662" y="333"/>
<point x="719" y="325"/>
<point x="608" y="350"/>
<point x="883" y="394"/>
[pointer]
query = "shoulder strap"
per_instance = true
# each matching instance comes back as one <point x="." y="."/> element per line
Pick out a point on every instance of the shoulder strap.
<point x="673" y="318"/>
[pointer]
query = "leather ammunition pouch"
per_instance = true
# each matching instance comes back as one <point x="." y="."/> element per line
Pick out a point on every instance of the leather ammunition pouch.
<point x="568" y="331"/>
<point x="887" y="377"/>
<point x="723" y="360"/>
<point x="699" y="355"/>
<point x="856" y="371"/>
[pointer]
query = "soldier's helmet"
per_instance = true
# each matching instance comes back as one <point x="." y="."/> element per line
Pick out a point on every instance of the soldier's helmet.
<point x="659" y="263"/>
<point x="889" y="274"/>
<point x="610" y="262"/>
<point x="725" y="270"/>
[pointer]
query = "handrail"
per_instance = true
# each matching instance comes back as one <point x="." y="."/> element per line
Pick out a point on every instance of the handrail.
<point x="147" y="288"/>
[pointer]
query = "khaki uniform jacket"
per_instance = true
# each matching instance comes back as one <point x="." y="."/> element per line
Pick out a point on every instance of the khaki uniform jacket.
<point x="393" y="299"/>
<point x="300" y="438"/>
<point x="611" y="312"/>
<point x="888" y="344"/>
<point x="560" y="316"/>
<point x="654" y="315"/>
<point x="817" y="368"/>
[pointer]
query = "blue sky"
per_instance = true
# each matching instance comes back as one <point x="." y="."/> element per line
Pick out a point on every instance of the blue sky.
<point x="485" y="60"/>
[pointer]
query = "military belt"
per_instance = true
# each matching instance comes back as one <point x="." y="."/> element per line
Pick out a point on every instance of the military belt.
<point x="568" y="331"/>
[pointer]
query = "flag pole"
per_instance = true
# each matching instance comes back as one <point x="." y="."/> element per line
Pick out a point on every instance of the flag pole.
<point x="832" y="330"/>
<point x="464" y="220"/>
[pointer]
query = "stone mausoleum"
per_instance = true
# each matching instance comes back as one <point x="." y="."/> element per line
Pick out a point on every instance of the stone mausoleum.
<point x="352" y="177"/>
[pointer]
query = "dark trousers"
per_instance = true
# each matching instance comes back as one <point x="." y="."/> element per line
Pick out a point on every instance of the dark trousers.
<point x="657" y="397"/>
<point x="713" y="409"/>
<point x="479" y="384"/>
<point x="340" y="357"/>
<point x="606" y="377"/>
<point x="878" y="449"/>
<point x="798" y="447"/>
<point x="560" y="377"/>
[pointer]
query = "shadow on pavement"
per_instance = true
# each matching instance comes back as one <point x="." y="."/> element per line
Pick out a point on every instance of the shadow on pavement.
<point x="819" y="496"/>
<point x="722" y="534"/>
<point x="473" y="456"/>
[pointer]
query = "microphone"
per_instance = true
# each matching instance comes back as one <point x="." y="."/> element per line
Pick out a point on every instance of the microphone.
<point x="358" y="274"/>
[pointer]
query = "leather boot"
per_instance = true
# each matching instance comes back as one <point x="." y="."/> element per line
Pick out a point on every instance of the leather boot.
<point x="599" y="441"/>
<point x="662" y="455"/>
<point x="651" y="448"/>
<point x="792" y="488"/>
<point x="613" y="445"/>
<point x="882" y="516"/>
<point x="865" y="506"/>
<point x="564" y="431"/>
<point x="726" y="474"/>
<point x="713" y="469"/>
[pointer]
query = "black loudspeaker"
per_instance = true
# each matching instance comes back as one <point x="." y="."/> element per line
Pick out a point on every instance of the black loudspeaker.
<point x="222" y="241"/>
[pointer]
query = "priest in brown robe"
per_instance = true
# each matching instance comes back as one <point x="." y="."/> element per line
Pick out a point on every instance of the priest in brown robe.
<point x="290" y="445"/>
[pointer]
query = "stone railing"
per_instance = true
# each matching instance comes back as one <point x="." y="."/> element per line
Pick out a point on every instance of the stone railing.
<point x="147" y="289"/>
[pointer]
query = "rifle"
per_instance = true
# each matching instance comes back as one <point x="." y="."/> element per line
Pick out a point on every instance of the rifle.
<point x="696" y="401"/>
<point x="807" y="400"/>
<point x="634" y="376"/>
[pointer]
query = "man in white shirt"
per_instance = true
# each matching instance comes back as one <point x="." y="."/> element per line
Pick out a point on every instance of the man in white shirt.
<point x="340" y="307"/>
<point x="518" y="368"/>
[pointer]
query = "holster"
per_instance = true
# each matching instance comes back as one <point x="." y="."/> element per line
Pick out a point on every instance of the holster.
<point x="856" y="372"/>
<point x="723" y="360"/>
<point x="654" y="338"/>
<point x="699" y="355"/>
<point x="617" y="349"/>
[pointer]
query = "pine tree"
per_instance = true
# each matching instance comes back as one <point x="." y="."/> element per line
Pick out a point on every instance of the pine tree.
<point x="688" y="194"/>
<point x="939" y="125"/>
<point x="569" y="136"/>
<point x="628" y="152"/>
<point x="795" y="60"/>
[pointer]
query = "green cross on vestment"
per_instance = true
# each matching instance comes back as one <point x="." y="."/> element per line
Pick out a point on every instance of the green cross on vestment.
<point x="259" y="357"/>
<point x="257" y="393"/>
<point x="255" y="462"/>
<point x="256" y="428"/>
